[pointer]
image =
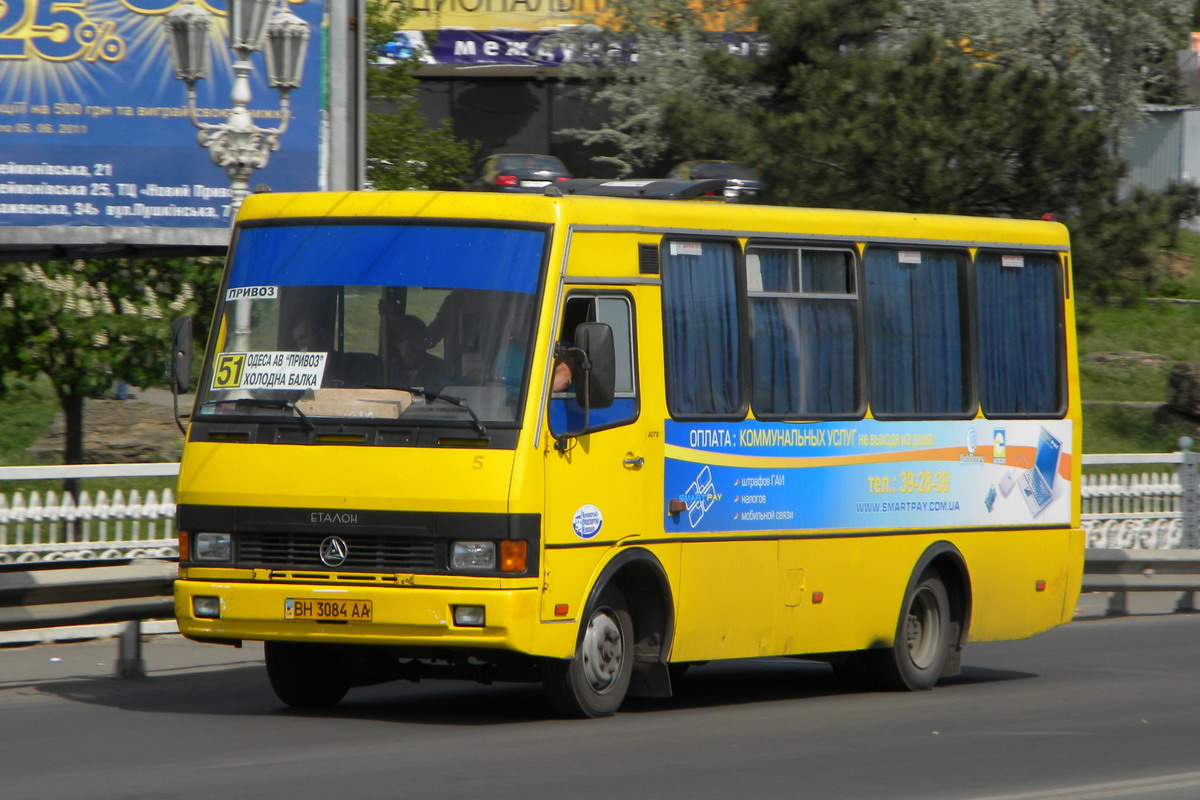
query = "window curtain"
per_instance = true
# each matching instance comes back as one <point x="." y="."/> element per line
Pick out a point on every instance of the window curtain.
<point x="700" y="321"/>
<point x="803" y="348"/>
<point x="914" y="318"/>
<point x="1020" y="341"/>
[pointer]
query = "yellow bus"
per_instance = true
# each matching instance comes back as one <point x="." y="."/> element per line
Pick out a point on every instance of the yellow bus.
<point x="591" y="437"/>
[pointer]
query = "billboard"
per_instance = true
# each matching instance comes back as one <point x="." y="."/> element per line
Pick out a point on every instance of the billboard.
<point x="461" y="48"/>
<point x="528" y="15"/>
<point x="94" y="130"/>
<point x="535" y="15"/>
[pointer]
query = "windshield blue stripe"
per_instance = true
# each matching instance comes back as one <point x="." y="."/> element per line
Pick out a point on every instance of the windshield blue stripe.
<point x="445" y="257"/>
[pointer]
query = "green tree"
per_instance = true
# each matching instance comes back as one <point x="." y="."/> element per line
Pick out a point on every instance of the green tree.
<point x="1118" y="55"/>
<point x="86" y="324"/>
<point x="930" y="132"/>
<point x="403" y="150"/>
<point x="670" y="89"/>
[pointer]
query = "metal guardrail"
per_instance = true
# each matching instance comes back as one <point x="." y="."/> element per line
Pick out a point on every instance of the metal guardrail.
<point x="1124" y="571"/>
<point x="60" y="593"/>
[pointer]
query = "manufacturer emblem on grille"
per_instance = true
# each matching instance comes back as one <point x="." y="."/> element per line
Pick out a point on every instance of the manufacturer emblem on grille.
<point x="333" y="551"/>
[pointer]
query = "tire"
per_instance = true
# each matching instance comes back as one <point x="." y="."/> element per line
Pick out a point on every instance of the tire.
<point x="594" y="682"/>
<point x="306" y="675"/>
<point x="917" y="658"/>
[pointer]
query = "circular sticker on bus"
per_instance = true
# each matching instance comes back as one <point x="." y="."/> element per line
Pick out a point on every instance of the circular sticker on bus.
<point x="587" y="521"/>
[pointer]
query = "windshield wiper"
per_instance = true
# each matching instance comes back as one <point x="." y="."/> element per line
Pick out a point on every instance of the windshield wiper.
<point x="262" y="402"/>
<point x="461" y="402"/>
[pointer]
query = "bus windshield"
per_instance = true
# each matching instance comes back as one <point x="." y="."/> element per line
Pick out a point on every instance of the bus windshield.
<point x="376" y="322"/>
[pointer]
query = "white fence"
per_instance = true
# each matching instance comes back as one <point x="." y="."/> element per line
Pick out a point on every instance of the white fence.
<point x="1133" y="512"/>
<point x="1153" y="510"/>
<point x="52" y="526"/>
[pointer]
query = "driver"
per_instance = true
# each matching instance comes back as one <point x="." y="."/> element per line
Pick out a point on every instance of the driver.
<point x="409" y="365"/>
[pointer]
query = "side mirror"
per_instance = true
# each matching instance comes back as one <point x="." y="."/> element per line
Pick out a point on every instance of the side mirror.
<point x="595" y="365"/>
<point x="181" y="355"/>
<point x="594" y="371"/>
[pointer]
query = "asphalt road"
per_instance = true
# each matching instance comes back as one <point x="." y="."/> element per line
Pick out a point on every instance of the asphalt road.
<point x="1098" y="709"/>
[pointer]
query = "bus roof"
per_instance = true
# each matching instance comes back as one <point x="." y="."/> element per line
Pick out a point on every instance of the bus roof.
<point x="683" y="217"/>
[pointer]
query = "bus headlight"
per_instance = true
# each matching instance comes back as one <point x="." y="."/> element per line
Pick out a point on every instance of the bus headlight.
<point x="473" y="555"/>
<point x="212" y="547"/>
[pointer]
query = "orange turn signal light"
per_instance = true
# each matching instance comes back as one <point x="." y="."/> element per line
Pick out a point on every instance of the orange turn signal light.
<point x="512" y="555"/>
<point x="1040" y="586"/>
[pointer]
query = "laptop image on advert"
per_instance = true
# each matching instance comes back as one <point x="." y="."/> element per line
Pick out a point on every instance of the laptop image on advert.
<point x="1037" y="484"/>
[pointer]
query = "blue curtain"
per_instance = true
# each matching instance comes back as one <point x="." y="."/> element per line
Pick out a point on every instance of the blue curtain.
<point x="1020" y="335"/>
<point x="916" y="331"/>
<point x="803" y="349"/>
<point x="700" y="327"/>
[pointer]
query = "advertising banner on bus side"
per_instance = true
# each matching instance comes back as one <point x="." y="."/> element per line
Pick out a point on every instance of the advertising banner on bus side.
<point x="868" y="474"/>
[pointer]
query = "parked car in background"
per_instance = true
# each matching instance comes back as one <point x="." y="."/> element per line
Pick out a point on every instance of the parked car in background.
<point x="741" y="181"/>
<point x="518" y="172"/>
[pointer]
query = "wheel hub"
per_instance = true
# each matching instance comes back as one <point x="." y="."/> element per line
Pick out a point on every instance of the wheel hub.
<point x="923" y="629"/>
<point x="602" y="652"/>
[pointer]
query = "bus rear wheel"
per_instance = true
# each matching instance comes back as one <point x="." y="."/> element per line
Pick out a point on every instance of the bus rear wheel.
<point x="306" y="675"/>
<point x="918" y="656"/>
<point x="594" y="682"/>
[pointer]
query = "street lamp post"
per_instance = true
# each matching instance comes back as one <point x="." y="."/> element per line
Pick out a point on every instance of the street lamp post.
<point x="237" y="145"/>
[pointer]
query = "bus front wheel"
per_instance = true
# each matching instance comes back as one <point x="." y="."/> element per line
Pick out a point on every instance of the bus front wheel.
<point x="594" y="682"/>
<point x="306" y="675"/>
<point x="918" y="656"/>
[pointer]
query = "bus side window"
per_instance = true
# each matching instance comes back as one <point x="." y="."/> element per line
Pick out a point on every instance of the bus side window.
<point x="616" y="311"/>
<point x="917" y="332"/>
<point x="804" y="346"/>
<point x="1021" y="342"/>
<point x="702" y="329"/>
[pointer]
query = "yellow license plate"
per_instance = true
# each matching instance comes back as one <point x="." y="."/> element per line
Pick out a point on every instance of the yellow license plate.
<point x="340" y="610"/>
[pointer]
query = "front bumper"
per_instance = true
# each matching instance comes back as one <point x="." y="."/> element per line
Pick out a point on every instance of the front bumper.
<point x="403" y="616"/>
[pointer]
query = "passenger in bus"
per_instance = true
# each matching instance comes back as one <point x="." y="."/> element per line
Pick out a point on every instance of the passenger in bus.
<point x="310" y="336"/>
<point x="461" y="324"/>
<point x="409" y="365"/>
<point x="563" y="376"/>
<point x="510" y="367"/>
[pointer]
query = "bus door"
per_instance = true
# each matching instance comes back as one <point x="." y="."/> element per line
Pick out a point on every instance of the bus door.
<point x="595" y="486"/>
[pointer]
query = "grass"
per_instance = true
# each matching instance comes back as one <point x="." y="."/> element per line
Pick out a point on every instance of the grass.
<point x="27" y="410"/>
<point x="1146" y="326"/>
<point x="1121" y="429"/>
<point x="1167" y="330"/>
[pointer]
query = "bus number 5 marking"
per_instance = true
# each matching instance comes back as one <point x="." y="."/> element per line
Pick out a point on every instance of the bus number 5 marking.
<point x="229" y="370"/>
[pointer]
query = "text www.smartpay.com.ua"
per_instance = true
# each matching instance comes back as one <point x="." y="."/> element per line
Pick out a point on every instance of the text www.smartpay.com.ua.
<point x="884" y="507"/>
